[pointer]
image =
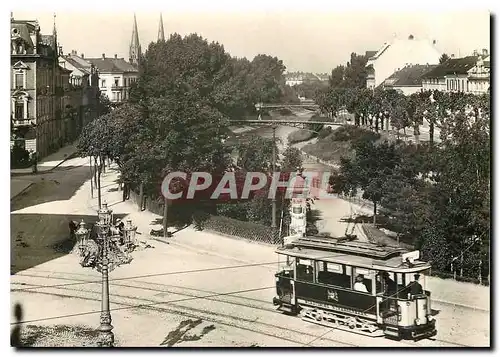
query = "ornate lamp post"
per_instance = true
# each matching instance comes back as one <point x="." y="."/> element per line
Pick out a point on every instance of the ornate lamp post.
<point x="103" y="237"/>
<point x="103" y="254"/>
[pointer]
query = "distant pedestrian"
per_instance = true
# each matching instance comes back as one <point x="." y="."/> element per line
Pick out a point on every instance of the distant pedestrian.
<point x="15" y="336"/>
<point x="72" y="229"/>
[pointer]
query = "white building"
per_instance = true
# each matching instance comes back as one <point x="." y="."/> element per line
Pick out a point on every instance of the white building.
<point x="469" y="74"/>
<point x="398" y="54"/>
<point x="115" y="77"/>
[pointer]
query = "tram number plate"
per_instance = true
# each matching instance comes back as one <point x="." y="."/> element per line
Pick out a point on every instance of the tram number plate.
<point x="331" y="307"/>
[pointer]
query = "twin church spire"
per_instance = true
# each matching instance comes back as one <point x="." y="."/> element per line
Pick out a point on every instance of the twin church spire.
<point x="135" y="45"/>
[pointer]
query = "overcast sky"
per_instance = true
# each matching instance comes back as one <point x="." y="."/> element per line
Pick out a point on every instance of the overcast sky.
<point x="311" y="40"/>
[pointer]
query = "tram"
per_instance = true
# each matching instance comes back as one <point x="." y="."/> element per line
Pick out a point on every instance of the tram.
<point x="355" y="286"/>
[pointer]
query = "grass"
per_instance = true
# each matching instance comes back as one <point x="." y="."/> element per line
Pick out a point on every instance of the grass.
<point x="56" y="336"/>
<point x="338" y="143"/>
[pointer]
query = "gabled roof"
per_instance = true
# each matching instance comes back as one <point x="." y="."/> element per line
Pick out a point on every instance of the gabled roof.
<point x="453" y="66"/>
<point x="112" y="65"/>
<point x="408" y="76"/>
<point x="71" y="60"/>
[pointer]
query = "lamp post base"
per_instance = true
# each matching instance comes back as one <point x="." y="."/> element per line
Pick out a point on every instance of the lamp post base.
<point x="106" y="336"/>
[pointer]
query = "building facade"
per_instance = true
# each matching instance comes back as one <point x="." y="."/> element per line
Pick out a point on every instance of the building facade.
<point x="115" y="77"/>
<point x="398" y="54"/>
<point x="46" y="105"/>
<point x="469" y="74"/>
<point x="408" y="80"/>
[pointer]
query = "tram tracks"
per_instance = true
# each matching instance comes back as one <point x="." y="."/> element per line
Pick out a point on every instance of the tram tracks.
<point x="232" y="320"/>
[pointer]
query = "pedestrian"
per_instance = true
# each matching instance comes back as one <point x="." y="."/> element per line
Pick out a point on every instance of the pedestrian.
<point x="72" y="229"/>
<point x="124" y="192"/>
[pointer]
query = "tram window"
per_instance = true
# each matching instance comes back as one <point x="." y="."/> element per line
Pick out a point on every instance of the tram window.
<point x="332" y="274"/>
<point x="334" y="268"/>
<point x="305" y="270"/>
<point x="348" y="270"/>
<point x="286" y="265"/>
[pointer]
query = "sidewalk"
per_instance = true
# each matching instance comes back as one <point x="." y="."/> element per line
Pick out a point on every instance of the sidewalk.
<point x="50" y="162"/>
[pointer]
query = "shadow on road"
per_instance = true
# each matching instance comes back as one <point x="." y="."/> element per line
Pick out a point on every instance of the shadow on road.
<point x="38" y="238"/>
<point x="54" y="186"/>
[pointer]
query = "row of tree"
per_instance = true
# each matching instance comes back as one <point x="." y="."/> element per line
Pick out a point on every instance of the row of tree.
<point x="381" y="109"/>
<point x="178" y="115"/>
<point x="434" y="195"/>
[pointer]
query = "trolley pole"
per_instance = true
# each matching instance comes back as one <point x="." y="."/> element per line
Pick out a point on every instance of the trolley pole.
<point x="273" y="221"/>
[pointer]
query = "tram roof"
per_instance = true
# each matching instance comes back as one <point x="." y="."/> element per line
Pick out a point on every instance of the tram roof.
<point x="353" y="253"/>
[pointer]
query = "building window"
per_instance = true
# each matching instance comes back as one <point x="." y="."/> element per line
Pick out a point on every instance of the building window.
<point x="19" y="80"/>
<point x="117" y="81"/>
<point x="19" y="110"/>
<point x="103" y="83"/>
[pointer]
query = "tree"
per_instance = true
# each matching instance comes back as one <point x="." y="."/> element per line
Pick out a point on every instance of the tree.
<point x="292" y="159"/>
<point x="336" y="79"/>
<point x="355" y="71"/>
<point x="184" y="113"/>
<point x="444" y="57"/>
<point x="256" y="154"/>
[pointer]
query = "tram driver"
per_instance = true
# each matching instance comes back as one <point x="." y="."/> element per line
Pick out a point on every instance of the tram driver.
<point x="414" y="288"/>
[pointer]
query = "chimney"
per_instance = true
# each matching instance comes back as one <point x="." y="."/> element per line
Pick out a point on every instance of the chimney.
<point x="434" y="42"/>
<point x="82" y="56"/>
<point x="116" y="56"/>
<point x="410" y="37"/>
<point x="103" y="56"/>
<point x="485" y="52"/>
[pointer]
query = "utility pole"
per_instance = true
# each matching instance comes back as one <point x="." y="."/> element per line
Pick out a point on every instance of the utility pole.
<point x="273" y="224"/>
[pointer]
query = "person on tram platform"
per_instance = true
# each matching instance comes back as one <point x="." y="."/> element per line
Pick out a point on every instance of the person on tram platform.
<point x="414" y="288"/>
<point x="390" y="285"/>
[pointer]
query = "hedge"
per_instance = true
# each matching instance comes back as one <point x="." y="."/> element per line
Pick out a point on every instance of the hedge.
<point x="229" y="226"/>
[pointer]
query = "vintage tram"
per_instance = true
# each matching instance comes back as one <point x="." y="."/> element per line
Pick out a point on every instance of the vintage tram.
<point x="355" y="286"/>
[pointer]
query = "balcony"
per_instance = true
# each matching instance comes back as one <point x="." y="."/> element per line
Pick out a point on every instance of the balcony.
<point x="17" y="123"/>
<point x="479" y="76"/>
<point x="118" y="88"/>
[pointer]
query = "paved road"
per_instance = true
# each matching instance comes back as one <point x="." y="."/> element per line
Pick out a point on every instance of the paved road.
<point x="222" y="287"/>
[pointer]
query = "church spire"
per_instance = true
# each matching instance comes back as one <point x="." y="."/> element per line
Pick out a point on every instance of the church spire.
<point x="135" y="46"/>
<point x="161" y="33"/>
<point x="54" y="34"/>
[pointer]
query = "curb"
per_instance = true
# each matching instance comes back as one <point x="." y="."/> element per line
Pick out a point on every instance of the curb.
<point x="40" y="172"/>
<point x="22" y="191"/>
<point x="461" y="305"/>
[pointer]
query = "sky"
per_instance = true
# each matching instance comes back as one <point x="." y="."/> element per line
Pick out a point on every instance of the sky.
<point x="315" y="39"/>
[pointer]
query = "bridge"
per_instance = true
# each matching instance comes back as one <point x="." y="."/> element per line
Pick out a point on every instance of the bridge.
<point x="290" y="122"/>
<point x="291" y="105"/>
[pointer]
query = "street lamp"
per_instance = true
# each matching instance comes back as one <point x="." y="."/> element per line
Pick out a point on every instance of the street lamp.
<point x="129" y="233"/>
<point x="82" y="235"/>
<point x="105" y="214"/>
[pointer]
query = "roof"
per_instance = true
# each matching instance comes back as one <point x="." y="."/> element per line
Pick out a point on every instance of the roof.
<point x="76" y="64"/>
<point x="453" y="66"/>
<point x="370" y="54"/>
<point x="112" y="65"/>
<point x="62" y="69"/>
<point x="358" y="254"/>
<point x="408" y="76"/>
<point x="20" y="29"/>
